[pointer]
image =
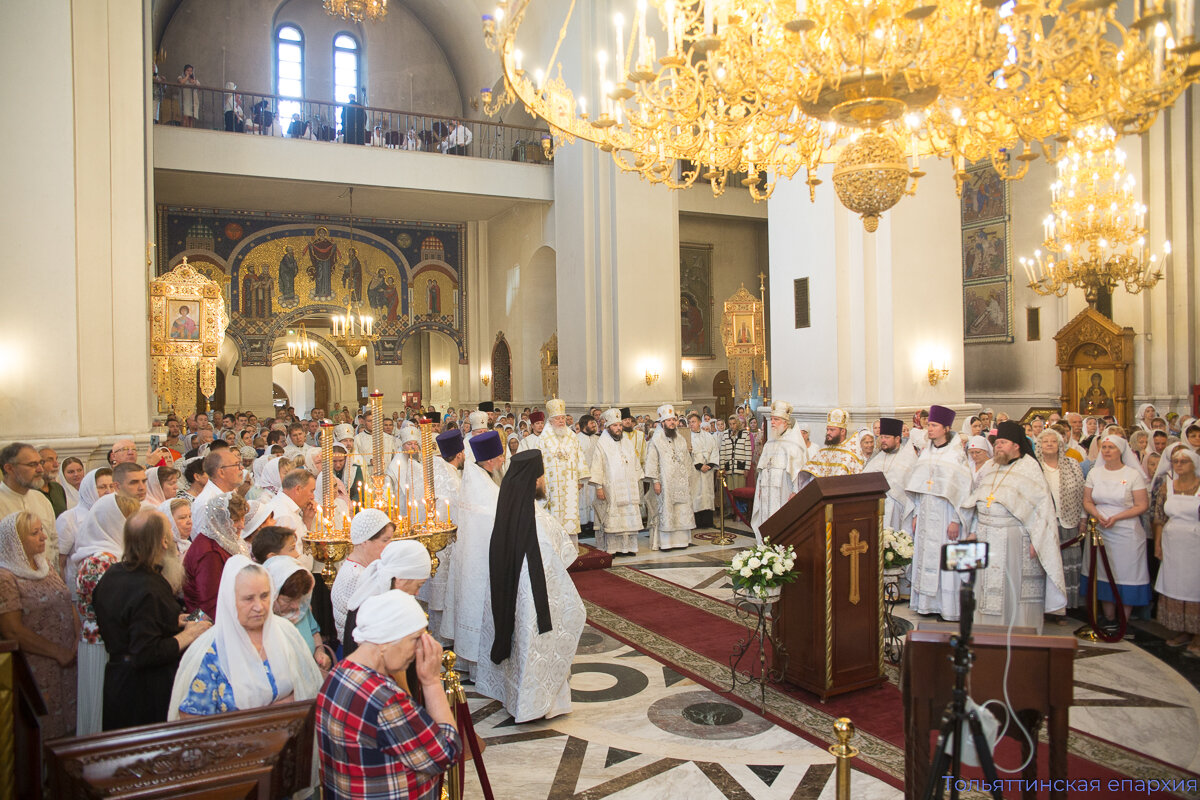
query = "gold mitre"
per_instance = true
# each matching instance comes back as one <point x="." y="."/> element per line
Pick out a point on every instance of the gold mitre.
<point x="838" y="418"/>
<point x="556" y="408"/>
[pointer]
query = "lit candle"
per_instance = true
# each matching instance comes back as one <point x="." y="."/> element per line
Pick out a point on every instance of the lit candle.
<point x="619" y="24"/>
<point x="671" y="27"/>
<point x="641" y="30"/>
<point x="708" y="17"/>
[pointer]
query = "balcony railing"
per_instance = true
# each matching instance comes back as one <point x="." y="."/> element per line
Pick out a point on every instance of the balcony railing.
<point x="237" y="111"/>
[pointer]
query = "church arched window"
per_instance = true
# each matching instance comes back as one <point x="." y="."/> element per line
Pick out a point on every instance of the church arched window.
<point x="345" y="68"/>
<point x="289" y="71"/>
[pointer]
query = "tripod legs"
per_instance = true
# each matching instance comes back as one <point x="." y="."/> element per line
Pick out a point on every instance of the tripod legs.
<point x="949" y="754"/>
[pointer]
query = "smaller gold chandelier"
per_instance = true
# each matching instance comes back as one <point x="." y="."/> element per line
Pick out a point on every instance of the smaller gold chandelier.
<point x="357" y="10"/>
<point x="871" y="176"/>
<point x="302" y="351"/>
<point x="353" y="330"/>
<point x="1096" y="231"/>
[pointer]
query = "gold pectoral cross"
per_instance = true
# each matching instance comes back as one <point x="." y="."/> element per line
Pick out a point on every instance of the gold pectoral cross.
<point x="853" y="550"/>
<point x="990" y="498"/>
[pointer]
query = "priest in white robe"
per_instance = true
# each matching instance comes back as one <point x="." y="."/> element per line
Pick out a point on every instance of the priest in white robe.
<point x="406" y="474"/>
<point x="617" y="473"/>
<point x="939" y="490"/>
<point x="895" y="461"/>
<point x="781" y="467"/>
<point x="840" y="455"/>
<point x="477" y="514"/>
<point x="1014" y="514"/>
<point x="438" y="591"/>
<point x="533" y="616"/>
<point x="706" y="457"/>
<point x="565" y="468"/>
<point x="587" y="436"/>
<point x="669" y="467"/>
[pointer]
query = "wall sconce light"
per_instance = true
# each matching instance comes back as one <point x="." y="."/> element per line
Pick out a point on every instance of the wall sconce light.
<point x="652" y="373"/>
<point x="937" y="374"/>
<point x="440" y="379"/>
<point x="485" y="375"/>
<point x="689" y="369"/>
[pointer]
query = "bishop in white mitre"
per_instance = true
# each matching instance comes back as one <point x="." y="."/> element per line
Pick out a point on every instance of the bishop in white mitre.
<point x="839" y="456"/>
<point x="706" y="457"/>
<point x="616" y="471"/>
<point x="477" y="516"/>
<point x="565" y="468"/>
<point x="669" y="467"/>
<point x="406" y="474"/>
<point x="477" y="423"/>
<point x="895" y="460"/>
<point x="447" y="483"/>
<point x="939" y="489"/>
<point x="781" y="467"/>
<point x="1014" y="514"/>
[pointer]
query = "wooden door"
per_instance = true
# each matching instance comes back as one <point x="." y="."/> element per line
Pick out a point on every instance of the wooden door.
<point x="723" y="392"/>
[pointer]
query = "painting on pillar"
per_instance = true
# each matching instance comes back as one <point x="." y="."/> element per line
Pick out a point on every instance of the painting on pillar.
<point x="695" y="300"/>
<point x="986" y="258"/>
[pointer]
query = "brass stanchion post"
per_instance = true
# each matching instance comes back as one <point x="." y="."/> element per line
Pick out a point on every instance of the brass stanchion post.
<point x="844" y="729"/>
<point x="452" y="781"/>
<point x="723" y="538"/>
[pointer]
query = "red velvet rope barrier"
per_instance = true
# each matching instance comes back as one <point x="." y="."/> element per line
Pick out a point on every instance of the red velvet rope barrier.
<point x="467" y="730"/>
<point x="1093" y="581"/>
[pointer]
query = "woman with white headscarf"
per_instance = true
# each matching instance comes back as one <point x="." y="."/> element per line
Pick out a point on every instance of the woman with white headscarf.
<point x="403" y="565"/>
<point x="1115" y="494"/>
<point x="179" y="512"/>
<point x="291" y="598"/>
<point x="94" y="485"/>
<point x="270" y="482"/>
<point x="249" y="658"/>
<point x="1145" y="415"/>
<point x="1066" y="482"/>
<point x="866" y="443"/>
<point x="36" y="613"/>
<point x="99" y="545"/>
<point x="1176" y="522"/>
<point x="70" y="475"/>
<point x="979" y="452"/>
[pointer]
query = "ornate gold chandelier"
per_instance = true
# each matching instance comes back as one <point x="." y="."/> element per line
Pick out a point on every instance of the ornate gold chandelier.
<point x="714" y="89"/>
<point x="352" y="330"/>
<point x="302" y="351"/>
<point x="1095" y="233"/>
<point x="357" y="10"/>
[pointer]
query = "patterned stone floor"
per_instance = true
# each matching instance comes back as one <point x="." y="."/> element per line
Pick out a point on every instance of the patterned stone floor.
<point x="641" y="730"/>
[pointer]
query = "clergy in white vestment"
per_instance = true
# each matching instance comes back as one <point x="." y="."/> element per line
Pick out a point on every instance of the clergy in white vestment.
<point x="895" y="461"/>
<point x="533" y="441"/>
<point x="669" y="466"/>
<point x="939" y="490"/>
<point x="617" y="473"/>
<point x="1014" y="514"/>
<point x="477" y="423"/>
<point x="406" y="474"/>
<point x="565" y="468"/>
<point x="839" y="456"/>
<point x="781" y="467"/>
<point x="364" y="442"/>
<point x="588" y="428"/>
<point x="533" y="616"/>
<point x="706" y="457"/>
<point x="447" y="483"/>
<point x="477" y="514"/>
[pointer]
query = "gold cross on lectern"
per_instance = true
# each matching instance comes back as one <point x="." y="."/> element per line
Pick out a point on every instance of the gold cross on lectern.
<point x="853" y="550"/>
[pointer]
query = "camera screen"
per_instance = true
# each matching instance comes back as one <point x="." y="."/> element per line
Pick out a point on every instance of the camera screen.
<point x="964" y="556"/>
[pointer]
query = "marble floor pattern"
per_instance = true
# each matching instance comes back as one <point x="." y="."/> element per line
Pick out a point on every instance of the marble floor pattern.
<point x="638" y="729"/>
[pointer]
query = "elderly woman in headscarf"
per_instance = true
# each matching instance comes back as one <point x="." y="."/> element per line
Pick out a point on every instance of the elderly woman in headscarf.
<point x="179" y="513"/>
<point x="205" y="560"/>
<point x="370" y="532"/>
<point x="1115" y="494"/>
<point x="1176" y="522"/>
<point x="1066" y="482"/>
<point x="36" y="613"/>
<point x="95" y="484"/>
<point x="403" y="565"/>
<point x="249" y="658"/>
<point x="99" y="545"/>
<point x="291" y="598"/>
<point x="979" y="452"/>
<point x="866" y="443"/>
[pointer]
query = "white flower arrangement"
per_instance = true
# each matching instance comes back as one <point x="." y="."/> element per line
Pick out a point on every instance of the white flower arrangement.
<point x="897" y="548"/>
<point x="762" y="568"/>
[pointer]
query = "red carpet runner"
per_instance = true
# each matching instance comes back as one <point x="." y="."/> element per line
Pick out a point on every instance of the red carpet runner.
<point x="624" y="602"/>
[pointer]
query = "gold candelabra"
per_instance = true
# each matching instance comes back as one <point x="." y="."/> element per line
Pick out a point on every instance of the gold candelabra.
<point x="328" y="542"/>
<point x="302" y="351"/>
<point x="1095" y="234"/>
<point x="714" y="89"/>
<point x="357" y="10"/>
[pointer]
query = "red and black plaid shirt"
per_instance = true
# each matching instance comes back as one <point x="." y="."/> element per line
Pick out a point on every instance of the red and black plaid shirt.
<point x="375" y="744"/>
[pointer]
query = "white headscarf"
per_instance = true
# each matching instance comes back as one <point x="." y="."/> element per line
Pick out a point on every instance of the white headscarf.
<point x="1140" y="412"/>
<point x="12" y="552"/>
<point x="71" y="492"/>
<point x="978" y="442"/>
<point x="388" y="617"/>
<point x="406" y="559"/>
<point x="154" y="490"/>
<point x="1128" y="456"/>
<point x="858" y="437"/>
<point x="181" y="543"/>
<point x="70" y="521"/>
<point x="102" y="532"/>
<point x="292" y="666"/>
<point x="269" y="480"/>
<point x="220" y="526"/>
<point x="1164" y="465"/>
<point x="280" y="568"/>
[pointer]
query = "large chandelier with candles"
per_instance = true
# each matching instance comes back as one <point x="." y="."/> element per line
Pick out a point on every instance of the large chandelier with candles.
<point x="352" y="330"/>
<point x="1095" y="234"/>
<point x="302" y="351"/>
<point x="357" y="10"/>
<point x="717" y="89"/>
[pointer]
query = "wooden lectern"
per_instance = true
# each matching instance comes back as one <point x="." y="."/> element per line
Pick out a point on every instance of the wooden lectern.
<point x="263" y="753"/>
<point x="1041" y="686"/>
<point x="830" y="619"/>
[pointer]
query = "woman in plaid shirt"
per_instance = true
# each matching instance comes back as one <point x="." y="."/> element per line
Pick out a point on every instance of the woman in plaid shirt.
<point x="376" y="743"/>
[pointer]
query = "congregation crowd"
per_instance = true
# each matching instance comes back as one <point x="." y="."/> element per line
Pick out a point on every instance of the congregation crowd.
<point x="175" y="582"/>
